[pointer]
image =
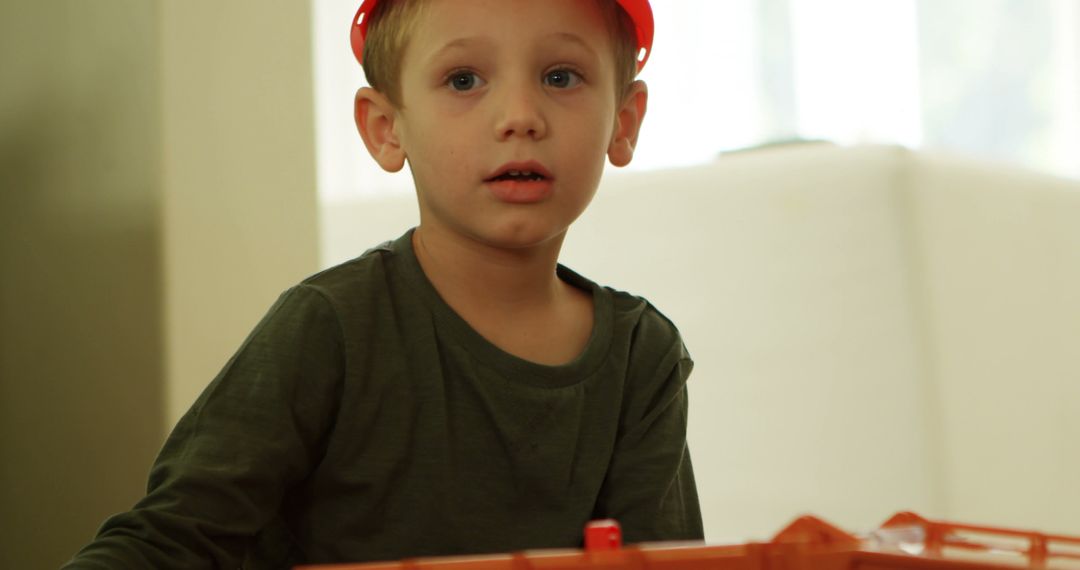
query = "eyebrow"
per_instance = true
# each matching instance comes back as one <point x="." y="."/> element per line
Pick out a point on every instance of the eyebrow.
<point x="459" y="43"/>
<point x="575" y="39"/>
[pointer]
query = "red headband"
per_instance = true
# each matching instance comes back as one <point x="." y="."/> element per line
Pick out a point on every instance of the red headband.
<point x="640" y="13"/>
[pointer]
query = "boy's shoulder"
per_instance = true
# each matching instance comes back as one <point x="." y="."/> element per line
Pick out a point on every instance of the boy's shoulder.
<point x="651" y="325"/>
<point x="369" y="271"/>
<point x="634" y="315"/>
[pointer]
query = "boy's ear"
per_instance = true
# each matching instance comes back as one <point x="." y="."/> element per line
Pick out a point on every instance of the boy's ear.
<point x="628" y="119"/>
<point x="375" y="117"/>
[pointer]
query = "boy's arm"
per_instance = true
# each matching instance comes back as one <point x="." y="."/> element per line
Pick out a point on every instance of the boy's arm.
<point x="650" y="487"/>
<point x="253" y="433"/>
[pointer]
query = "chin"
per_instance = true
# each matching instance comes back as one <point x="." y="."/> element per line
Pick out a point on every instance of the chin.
<point x="523" y="235"/>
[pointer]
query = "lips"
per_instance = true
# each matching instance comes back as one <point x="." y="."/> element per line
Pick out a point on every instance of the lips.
<point x="530" y="171"/>
<point x="520" y="182"/>
<point x="520" y="175"/>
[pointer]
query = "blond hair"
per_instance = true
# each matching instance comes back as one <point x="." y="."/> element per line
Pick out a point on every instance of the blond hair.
<point x="393" y="22"/>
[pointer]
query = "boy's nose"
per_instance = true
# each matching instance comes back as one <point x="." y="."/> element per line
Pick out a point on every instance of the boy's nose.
<point x="520" y="116"/>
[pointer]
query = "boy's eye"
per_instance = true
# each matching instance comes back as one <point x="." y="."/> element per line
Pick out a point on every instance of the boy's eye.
<point x="464" y="81"/>
<point x="562" y="78"/>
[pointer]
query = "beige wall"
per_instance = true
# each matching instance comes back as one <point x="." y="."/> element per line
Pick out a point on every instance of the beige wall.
<point x="158" y="191"/>
<point x="239" y="176"/>
<point x="1000" y="259"/>
<point x="80" y="270"/>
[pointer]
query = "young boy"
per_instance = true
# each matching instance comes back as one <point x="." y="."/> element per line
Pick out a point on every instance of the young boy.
<point x="454" y="391"/>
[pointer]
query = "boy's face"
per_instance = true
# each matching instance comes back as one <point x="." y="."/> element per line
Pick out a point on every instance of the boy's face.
<point x="494" y="86"/>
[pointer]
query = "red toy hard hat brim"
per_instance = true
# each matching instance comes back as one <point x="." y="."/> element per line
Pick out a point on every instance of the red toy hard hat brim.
<point x="640" y="13"/>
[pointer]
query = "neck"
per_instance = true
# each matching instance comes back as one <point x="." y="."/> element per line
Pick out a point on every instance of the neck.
<point x="474" y="276"/>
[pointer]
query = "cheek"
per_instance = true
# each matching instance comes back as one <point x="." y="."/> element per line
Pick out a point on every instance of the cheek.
<point x="602" y="124"/>
<point x="594" y="138"/>
<point x="439" y="160"/>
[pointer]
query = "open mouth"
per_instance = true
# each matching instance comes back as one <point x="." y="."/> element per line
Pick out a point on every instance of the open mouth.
<point x="521" y="183"/>
<point x="518" y="176"/>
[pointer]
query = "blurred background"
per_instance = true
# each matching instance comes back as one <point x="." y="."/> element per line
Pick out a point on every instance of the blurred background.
<point x="168" y="168"/>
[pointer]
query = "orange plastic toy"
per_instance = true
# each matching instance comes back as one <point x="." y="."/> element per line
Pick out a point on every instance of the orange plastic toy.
<point x="905" y="542"/>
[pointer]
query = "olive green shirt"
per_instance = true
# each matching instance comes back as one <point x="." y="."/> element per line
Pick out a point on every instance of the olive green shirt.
<point x="364" y="420"/>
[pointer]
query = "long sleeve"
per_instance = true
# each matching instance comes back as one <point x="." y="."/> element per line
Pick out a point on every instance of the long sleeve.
<point x="649" y="487"/>
<point x="253" y="433"/>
